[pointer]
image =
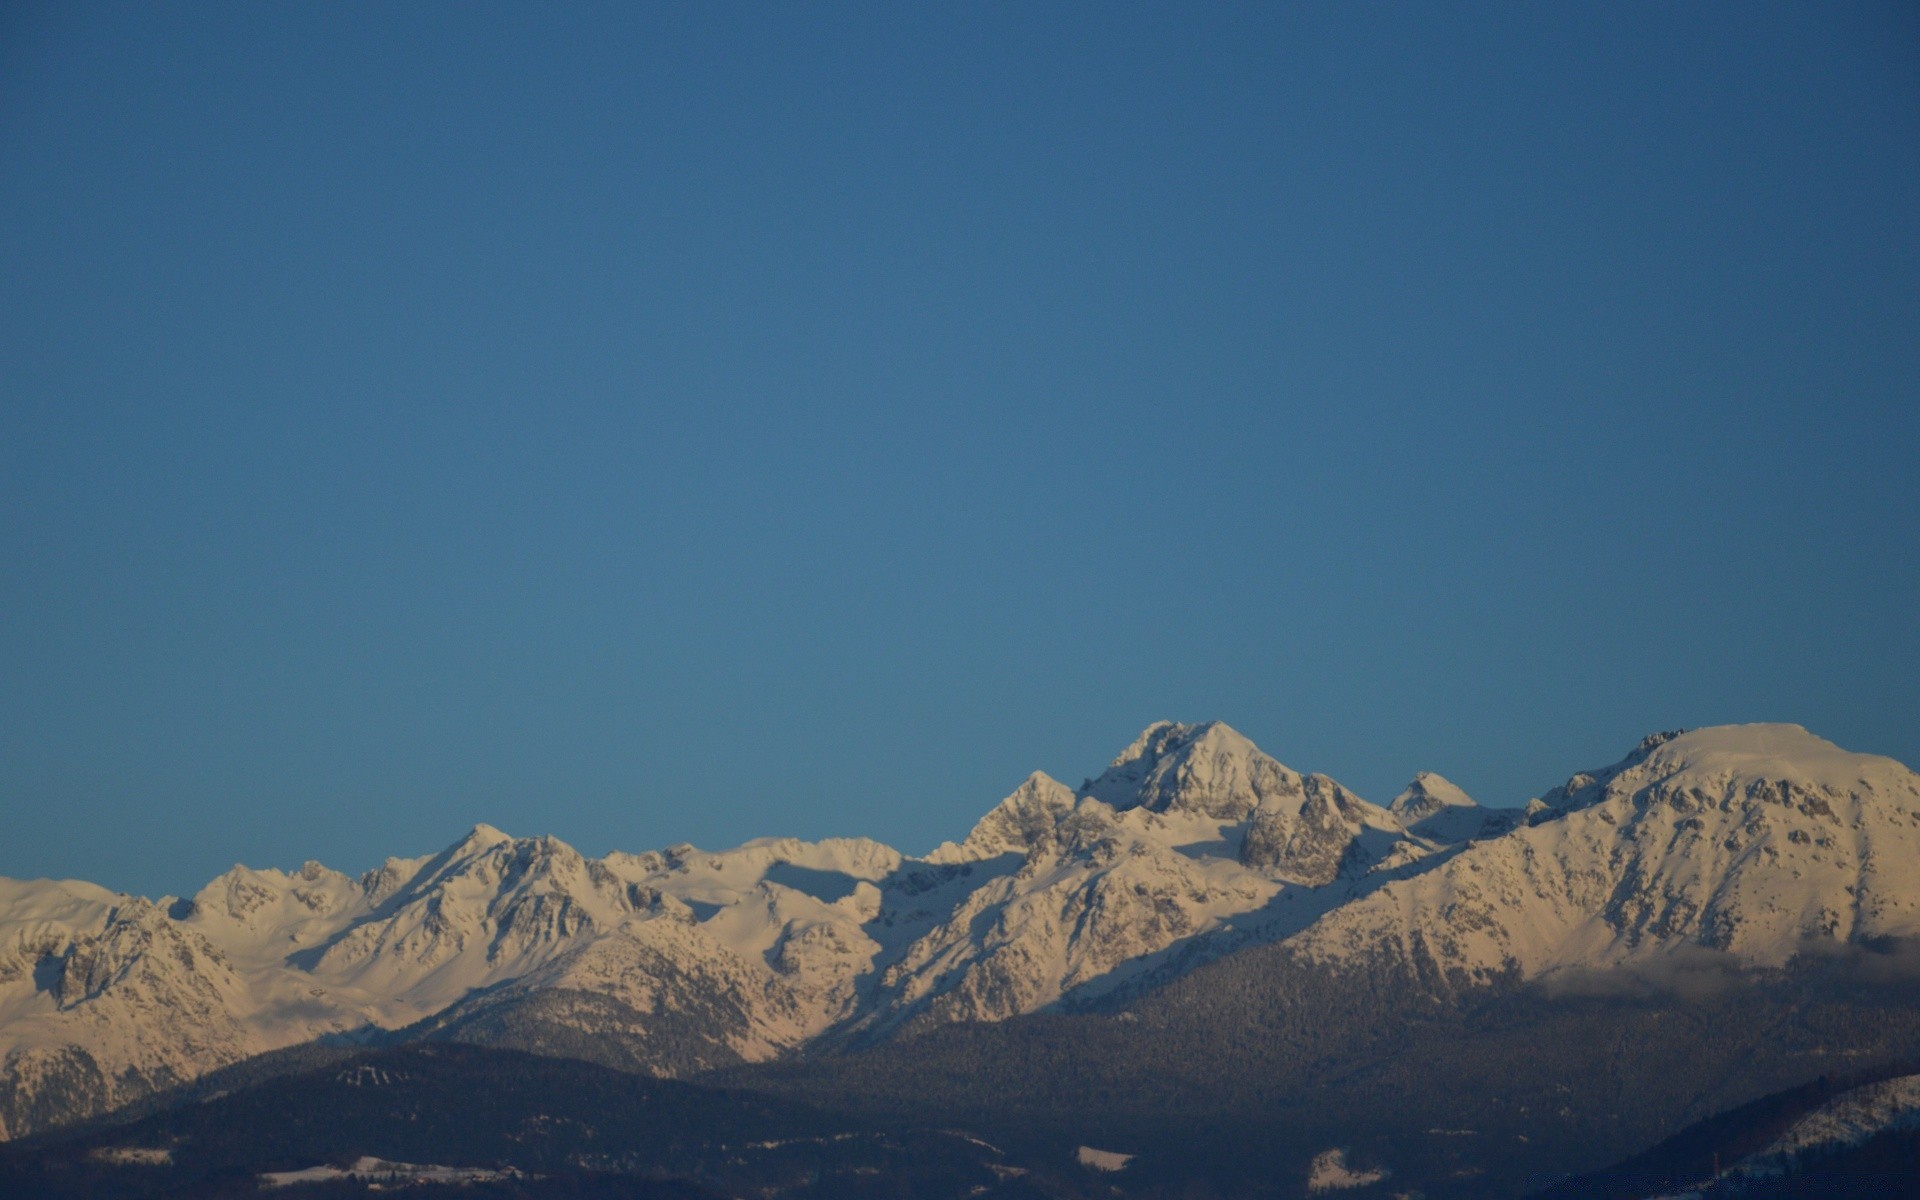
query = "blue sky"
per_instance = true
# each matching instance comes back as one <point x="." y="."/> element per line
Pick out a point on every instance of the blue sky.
<point x="688" y="423"/>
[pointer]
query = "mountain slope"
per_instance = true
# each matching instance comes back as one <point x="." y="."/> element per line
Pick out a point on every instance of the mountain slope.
<point x="1830" y="1137"/>
<point x="1191" y="843"/>
<point x="1751" y="840"/>
<point x="1719" y="850"/>
<point x="1657" y="942"/>
<point x="681" y="960"/>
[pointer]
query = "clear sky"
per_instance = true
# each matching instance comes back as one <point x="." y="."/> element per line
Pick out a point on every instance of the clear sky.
<point x="657" y="423"/>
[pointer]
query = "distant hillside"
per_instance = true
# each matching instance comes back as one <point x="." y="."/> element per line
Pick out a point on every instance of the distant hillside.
<point x="1248" y="1069"/>
<point x="582" y="1128"/>
<point x="1840" y="1139"/>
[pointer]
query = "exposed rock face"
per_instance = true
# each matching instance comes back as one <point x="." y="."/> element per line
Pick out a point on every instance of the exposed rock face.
<point x="1748" y="840"/>
<point x="1308" y="839"/>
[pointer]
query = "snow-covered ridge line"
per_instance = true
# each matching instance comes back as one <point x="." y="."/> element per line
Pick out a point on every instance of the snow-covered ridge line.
<point x="1845" y="1121"/>
<point x="1192" y="842"/>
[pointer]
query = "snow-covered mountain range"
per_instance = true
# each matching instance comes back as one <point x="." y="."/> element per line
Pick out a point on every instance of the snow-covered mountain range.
<point x="1751" y="840"/>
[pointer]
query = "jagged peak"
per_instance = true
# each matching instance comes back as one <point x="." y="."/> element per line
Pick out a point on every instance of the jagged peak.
<point x="1038" y="791"/>
<point x="1653" y="741"/>
<point x="1210" y="768"/>
<point x="1429" y="793"/>
<point x="1163" y="739"/>
<point x="1037" y="784"/>
<point x="239" y="880"/>
<point x="1027" y="814"/>
<point x="310" y="871"/>
<point x="482" y="837"/>
<point x="1433" y="807"/>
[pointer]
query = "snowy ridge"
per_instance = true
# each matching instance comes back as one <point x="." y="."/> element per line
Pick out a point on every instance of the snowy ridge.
<point x="1193" y="842"/>
<point x="1751" y="840"/>
<point x="1844" y="1122"/>
<point x="1847" y="1120"/>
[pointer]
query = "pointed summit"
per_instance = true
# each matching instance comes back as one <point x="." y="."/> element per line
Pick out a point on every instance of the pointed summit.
<point x="481" y="837"/>
<point x="1210" y="769"/>
<point x="1014" y="824"/>
<point x="1429" y="793"/>
<point x="1433" y="807"/>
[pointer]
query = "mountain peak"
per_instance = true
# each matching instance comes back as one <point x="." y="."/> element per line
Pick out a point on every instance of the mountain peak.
<point x="482" y="837"/>
<point x="1772" y="751"/>
<point x="1429" y="793"/>
<point x="1014" y="824"/>
<point x="1722" y="755"/>
<point x="1163" y="738"/>
<point x="1209" y="768"/>
<point x="1433" y="807"/>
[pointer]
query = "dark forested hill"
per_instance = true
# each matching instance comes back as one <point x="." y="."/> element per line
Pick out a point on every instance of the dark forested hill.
<point x="1246" y="1071"/>
<point x="1853" y="1140"/>
<point x="565" y="1127"/>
